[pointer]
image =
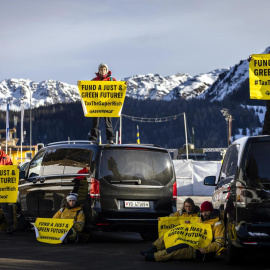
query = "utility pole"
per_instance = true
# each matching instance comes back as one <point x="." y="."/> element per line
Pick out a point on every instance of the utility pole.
<point x="193" y="140"/>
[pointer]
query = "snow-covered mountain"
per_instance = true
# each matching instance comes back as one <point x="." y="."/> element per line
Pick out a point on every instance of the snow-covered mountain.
<point x="150" y="86"/>
<point x="44" y="93"/>
<point x="214" y="85"/>
<point x="195" y="86"/>
<point x="229" y="81"/>
<point x="153" y="86"/>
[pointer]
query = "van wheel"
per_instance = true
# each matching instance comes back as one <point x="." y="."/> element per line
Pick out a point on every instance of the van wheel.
<point x="149" y="235"/>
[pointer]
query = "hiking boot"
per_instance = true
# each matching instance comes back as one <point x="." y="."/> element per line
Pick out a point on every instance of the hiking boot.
<point x="150" y="257"/>
<point x="110" y="142"/>
<point x="151" y="250"/>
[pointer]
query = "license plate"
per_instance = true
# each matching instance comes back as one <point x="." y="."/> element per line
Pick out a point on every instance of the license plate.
<point x="136" y="204"/>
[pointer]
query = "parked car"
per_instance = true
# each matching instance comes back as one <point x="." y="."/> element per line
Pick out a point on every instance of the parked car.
<point x="242" y="194"/>
<point x="122" y="187"/>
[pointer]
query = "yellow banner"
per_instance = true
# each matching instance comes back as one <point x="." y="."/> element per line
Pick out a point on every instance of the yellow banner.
<point x="168" y="223"/>
<point x="259" y="76"/>
<point x="102" y="98"/>
<point x="197" y="235"/>
<point x="52" y="230"/>
<point x="9" y="181"/>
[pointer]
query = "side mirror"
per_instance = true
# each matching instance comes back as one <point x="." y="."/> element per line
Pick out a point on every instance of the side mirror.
<point x="22" y="175"/>
<point x="209" y="181"/>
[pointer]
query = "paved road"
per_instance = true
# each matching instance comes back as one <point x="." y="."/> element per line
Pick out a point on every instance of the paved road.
<point x="104" y="251"/>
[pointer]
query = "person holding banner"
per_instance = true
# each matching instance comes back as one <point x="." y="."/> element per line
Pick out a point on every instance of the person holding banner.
<point x="74" y="211"/>
<point x="266" y="122"/>
<point x="103" y="75"/>
<point x="9" y="209"/>
<point x="189" y="209"/>
<point x="159" y="252"/>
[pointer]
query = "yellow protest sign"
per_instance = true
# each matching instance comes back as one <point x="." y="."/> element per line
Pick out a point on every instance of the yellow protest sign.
<point x="102" y="98"/>
<point x="9" y="181"/>
<point x="197" y="235"/>
<point x="168" y="223"/>
<point x="259" y="76"/>
<point x="52" y="230"/>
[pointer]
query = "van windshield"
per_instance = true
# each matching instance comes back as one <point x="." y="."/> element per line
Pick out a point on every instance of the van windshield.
<point x="136" y="166"/>
<point x="258" y="169"/>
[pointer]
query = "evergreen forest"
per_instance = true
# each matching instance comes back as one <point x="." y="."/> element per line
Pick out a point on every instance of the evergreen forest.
<point x="66" y="122"/>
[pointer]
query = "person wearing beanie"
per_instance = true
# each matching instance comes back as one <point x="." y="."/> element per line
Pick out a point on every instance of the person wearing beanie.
<point x="72" y="210"/>
<point x="103" y="74"/>
<point x="183" y="251"/>
<point x="189" y="209"/>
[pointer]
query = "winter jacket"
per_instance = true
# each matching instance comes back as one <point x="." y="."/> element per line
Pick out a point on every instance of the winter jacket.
<point x="106" y="77"/>
<point x="218" y="230"/>
<point x="183" y="213"/>
<point x="5" y="159"/>
<point x="75" y="213"/>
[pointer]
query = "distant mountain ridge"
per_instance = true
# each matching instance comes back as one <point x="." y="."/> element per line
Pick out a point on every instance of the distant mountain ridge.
<point x="214" y="86"/>
<point x="229" y="81"/>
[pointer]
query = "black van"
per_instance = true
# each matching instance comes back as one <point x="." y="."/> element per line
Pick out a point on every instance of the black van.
<point x="122" y="187"/>
<point x="242" y="194"/>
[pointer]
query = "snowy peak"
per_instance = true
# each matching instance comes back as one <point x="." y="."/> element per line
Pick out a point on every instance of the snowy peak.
<point x="153" y="86"/>
<point x="195" y="86"/>
<point x="44" y="93"/>
<point x="230" y="80"/>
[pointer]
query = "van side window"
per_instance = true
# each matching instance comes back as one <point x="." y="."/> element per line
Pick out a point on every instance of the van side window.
<point x="233" y="161"/>
<point x="53" y="161"/>
<point x="230" y="162"/>
<point x="225" y="164"/>
<point x="77" y="159"/>
<point x="35" y="165"/>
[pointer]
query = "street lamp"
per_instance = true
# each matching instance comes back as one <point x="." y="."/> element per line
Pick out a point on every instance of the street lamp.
<point x="9" y="100"/>
<point x="30" y="109"/>
<point x="228" y="118"/>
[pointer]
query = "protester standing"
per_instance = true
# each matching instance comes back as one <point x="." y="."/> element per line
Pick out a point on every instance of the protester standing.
<point x="103" y="75"/>
<point x="8" y="209"/>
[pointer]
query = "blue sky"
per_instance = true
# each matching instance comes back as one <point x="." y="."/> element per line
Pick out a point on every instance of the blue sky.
<point x="66" y="40"/>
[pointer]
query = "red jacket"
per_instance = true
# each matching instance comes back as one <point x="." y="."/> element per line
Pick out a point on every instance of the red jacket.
<point x="106" y="77"/>
<point x="5" y="159"/>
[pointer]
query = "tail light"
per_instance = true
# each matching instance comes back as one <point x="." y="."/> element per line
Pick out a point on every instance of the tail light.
<point x="94" y="192"/>
<point x="175" y="191"/>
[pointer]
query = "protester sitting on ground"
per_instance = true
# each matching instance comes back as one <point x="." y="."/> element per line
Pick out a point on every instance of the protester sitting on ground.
<point x="158" y="251"/>
<point x="72" y="210"/>
<point x="189" y="209"/>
